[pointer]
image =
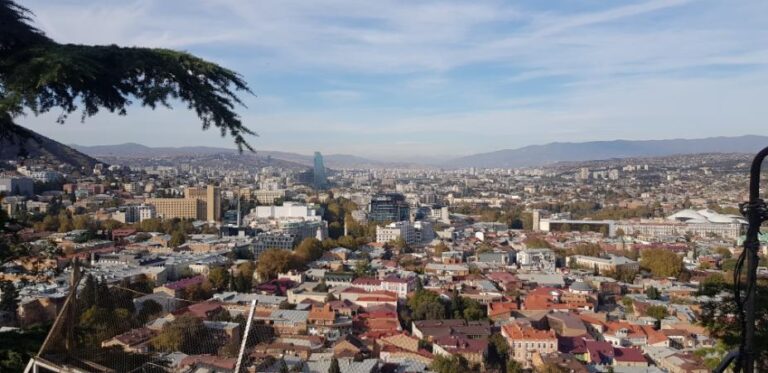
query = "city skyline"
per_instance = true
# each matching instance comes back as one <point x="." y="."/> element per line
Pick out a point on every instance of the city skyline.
<point x="394" y="78"/>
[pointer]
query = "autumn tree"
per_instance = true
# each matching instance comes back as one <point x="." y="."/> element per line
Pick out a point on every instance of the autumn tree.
<point x="274" y="261"/>
<point x="309" y="249"/>
<point x="661" y="263"/>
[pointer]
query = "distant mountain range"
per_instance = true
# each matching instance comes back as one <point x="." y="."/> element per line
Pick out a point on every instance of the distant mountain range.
<point x="39" y="146"/>
<point x="534" y="155"/>
<point x="133" y="150"/>
<point x="538" y="155"/>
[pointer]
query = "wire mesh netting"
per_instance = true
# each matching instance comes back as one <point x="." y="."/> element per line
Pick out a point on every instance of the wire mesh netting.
<point x="133" y="326"/>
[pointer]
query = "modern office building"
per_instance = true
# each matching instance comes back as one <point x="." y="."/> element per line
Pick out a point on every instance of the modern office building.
<point x="390" y="207"/>
<point x="320" y="179"/>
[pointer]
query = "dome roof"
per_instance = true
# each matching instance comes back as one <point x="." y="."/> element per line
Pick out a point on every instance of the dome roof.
<point x="704" y="216"/>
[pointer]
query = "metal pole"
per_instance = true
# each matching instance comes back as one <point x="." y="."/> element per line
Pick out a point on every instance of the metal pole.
<point x="755" y="217"/>
<point x="245" y="337"/>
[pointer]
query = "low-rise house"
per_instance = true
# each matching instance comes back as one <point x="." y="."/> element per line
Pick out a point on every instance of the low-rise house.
<point x="134" y="341"/>
<point x="176" y="289"/>
<point x="351" y="346"/>
<point x="285" y="322"/>
<point x="524" y="341"/>
<point x="324" y="321"/>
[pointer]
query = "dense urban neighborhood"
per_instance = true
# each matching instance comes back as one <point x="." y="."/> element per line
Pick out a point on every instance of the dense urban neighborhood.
<point x="606" y="266"/>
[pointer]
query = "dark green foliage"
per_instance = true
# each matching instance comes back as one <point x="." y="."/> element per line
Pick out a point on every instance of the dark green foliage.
<point x="498" y="351"/>
<point x="452" y="364"/>
<point x="9" y="300"/>
<point x="426" y="305"/>
<point x="184" y="334"/>
<point x="465" y="308"/>
<point x="718" y="318"/>
<point x="652" y="293"/>
<point x="219" y="278"/>
<point x="178" y="238"/>
<point x="98" y="324"/>
<point x="38" y="74"/>
<point x="149" y="309"/>
<point x="18" y="346"/>
<point x="657" y="312"/>
<point x="334" y="368"/>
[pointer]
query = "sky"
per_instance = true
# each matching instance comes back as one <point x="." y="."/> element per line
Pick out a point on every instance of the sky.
<point x="403" y="80"/>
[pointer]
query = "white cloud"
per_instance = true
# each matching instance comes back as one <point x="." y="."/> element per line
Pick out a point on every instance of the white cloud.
<point x="650" y="69"/>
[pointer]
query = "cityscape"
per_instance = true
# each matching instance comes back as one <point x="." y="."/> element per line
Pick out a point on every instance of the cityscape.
<point x="361" y="252"/>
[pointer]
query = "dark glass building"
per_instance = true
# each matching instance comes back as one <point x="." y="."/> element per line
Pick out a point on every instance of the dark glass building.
<point x="320" y="179"/>
<point x="389" y="207"/>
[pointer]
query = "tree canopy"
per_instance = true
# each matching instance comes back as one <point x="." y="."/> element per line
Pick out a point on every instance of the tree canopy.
<point x="38" y="74"/>
<point x="661" y="262"/>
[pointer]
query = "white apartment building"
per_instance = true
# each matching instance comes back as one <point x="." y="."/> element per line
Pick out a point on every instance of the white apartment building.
<point x="537" y="259"/>
<point x="287" y="210"/>
<point x="417" y="233"/>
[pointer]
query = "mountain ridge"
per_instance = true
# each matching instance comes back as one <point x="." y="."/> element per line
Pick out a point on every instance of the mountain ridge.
<point x="36" y="145"/>
<point x="539" y="155"/>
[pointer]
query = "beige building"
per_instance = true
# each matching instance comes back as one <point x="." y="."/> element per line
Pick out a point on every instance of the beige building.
<point x="198" y="203"/>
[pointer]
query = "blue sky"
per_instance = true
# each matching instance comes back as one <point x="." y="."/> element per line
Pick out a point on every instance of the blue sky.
<point x="404" y="79"/>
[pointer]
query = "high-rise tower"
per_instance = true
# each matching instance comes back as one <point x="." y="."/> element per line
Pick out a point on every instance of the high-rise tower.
<point x="320" y="180"/>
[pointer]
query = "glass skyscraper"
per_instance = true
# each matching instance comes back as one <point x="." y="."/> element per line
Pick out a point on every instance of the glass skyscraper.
<point x="320" y="179"/>
<point x="390" y="207"/>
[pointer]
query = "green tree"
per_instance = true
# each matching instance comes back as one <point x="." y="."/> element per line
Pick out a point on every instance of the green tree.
<point x="451" y="364"/>
<point x="514" y="367"/>
<point x="657" y="312"/>
<point x="149" y="309"/>
<point x="219" y="278"/>
<point x="38" y="75"/>
<point x="629" y="304"/>
<point x="426" y="305"/>
<point x="178" y="238"/>
<point x="498" y="351"/>
<point x="9" y="299"/>
<point x="652" y="293"/>
<point x="183" y="334"/>
<point x="87" y="296"/>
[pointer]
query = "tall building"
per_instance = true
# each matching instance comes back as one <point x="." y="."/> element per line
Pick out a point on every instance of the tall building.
<point x="213" y="203"/>
<point x="320" y="179"/>
<point x="198" y="203"/>
<point x="389" y="207"/>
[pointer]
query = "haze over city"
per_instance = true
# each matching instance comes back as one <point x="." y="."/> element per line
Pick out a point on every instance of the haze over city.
<point x="410" y="186"/>
<point x="393" y="80"/>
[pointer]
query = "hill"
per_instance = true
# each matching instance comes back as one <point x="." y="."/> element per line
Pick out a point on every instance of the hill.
<point x="133" y="150"/>
<point x="39" y="146"/>
<point x="538" y="155"/>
